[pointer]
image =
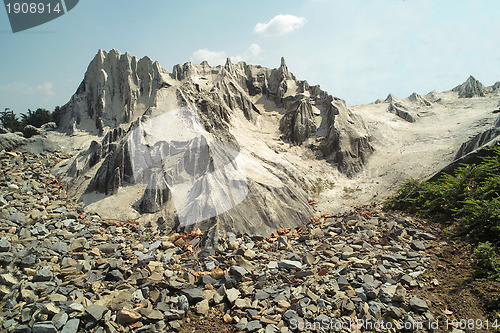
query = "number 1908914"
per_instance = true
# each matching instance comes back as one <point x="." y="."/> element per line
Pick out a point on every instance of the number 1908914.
<point x="472" y="324"/>
<point x="32" y="8"/>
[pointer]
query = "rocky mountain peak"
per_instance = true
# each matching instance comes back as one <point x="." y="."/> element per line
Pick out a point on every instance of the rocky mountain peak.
<point x="470" y="88"/>
<point x="189" y="128"/>
<point x="116" y="89"/>
<point x="418" y="99"/>
<point x="283" y="70"/>
<point x="283" y="63"/>
<point x="229" y="65"/>
<point x="389" y="98"/>
<point x="402" y="108"/>
<point x="496" y="86"/>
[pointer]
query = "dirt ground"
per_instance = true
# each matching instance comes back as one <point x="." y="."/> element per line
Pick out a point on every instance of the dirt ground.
<point x="212" y="322"/>
<point x="458" y="299"/>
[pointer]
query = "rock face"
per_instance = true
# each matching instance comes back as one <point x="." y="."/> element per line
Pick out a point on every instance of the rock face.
<point x="409" y="109"/>
<point x="9" y="141"/>
<point x="50" y="126"/>
<point x="298" y="125"/>
<point x="346" y="143"/>
<point x="496" y="86"/>
<point x="117" y="88"/>
<point x="470" y="88"/>
<point x="417" y="99"/>
<point x="397" y="107"/>
<point x="473" y="149"/>
<point x="488" y="138"/>
<point x="175" y="132"/>
<point x="35" y="144"/>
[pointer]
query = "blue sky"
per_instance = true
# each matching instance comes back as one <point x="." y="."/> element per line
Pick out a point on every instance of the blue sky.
<point x="357" y="50"/>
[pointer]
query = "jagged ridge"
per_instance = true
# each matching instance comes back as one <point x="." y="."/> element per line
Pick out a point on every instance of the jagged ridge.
<point x="120" y="94"/>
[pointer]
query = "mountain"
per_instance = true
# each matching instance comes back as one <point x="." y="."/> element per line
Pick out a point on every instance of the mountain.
<point x="243" y="148"/>
<point x="225" y="148"/>
<point x="419" y="100"/>
<point x="115" y="90"/>
<point x="408" y="109"/>
<point x="470" y="88"/>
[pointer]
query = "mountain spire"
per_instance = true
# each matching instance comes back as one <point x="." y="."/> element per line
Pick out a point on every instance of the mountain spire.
<point x="285" y="74"/>
<point x="470" y="88"/>
<point x="229" y="65"/>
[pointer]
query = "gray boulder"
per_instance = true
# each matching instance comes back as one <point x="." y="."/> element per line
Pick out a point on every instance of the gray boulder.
<point x="30" y="130"/>
<point x="11" y="141"/>
<point x="51" y="126"/>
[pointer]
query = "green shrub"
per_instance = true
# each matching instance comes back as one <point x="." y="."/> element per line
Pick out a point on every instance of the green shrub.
<point x="479" y="219"/>
<point x="415" y="196"/>
<point x="470" y="196"/>
<point x="487" y="263"/>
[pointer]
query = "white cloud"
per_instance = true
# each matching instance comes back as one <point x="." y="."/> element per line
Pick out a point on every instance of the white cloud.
<point x="252" y="53"/>
<point x="46" y="88"/>
<point x="214" y="58"/>
<point x="237" y="59"/>
<point x="20" y="88"/>
<point x="280" y="25"/>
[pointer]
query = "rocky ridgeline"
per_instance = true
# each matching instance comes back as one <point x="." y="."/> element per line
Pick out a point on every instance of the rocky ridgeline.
<point x="66" y="271"/>
<point x="125" y="100"/>
<point x="409" y="109"/>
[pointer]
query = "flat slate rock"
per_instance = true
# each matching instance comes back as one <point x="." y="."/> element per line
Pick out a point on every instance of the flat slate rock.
<point x="96" y="311"/>
<point x="44" y="327"/>
<point x="290" y="264"/>
<point x="194" y="295"/>
<point x="418" y="304"/>
<point x="71" y="326"/>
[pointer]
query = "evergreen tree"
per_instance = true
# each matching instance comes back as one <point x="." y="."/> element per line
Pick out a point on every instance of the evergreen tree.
<point x="9" y="120"/>
<point x="56" y="115"/>
<point x="36" y="118"/>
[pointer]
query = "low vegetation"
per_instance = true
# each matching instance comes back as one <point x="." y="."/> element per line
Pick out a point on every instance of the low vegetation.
<point x="469" y="200"/>
<point x="10" y="120"/>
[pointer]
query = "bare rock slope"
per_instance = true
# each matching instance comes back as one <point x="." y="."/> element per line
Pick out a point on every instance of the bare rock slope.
<point x="446" y="130"/>
<point x="409" y="109"/>
<point x="226" y="147"/>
